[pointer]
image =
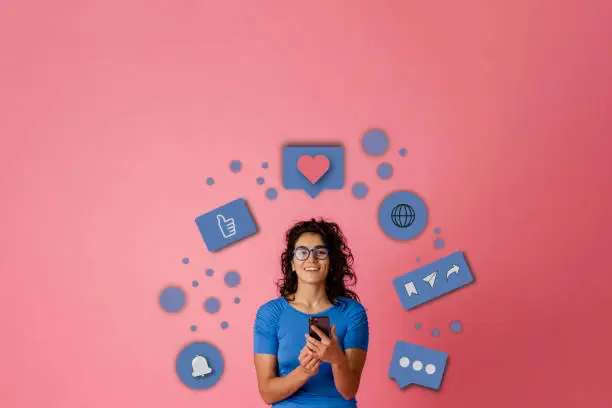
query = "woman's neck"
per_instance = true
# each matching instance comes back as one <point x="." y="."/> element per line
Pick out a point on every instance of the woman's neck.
<point x="311" y="296"/>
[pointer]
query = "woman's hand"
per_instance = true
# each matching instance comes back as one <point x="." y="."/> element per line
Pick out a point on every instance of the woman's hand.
<point x="328" y="349"/>
<point x="309" y="362"/>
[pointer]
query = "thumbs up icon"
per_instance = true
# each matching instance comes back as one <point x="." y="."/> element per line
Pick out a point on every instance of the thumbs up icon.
<point x="227" y="226"/>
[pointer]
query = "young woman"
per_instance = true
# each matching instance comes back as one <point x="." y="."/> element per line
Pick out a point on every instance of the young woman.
<point x="293" y="368"/>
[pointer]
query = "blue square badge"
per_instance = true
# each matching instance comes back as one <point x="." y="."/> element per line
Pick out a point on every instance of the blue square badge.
<point x="225" y="225"/>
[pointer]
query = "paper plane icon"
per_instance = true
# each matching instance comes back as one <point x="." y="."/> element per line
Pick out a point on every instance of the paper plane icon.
<point x="410" y="289"/>
<point x="431" y="278"/>
<point x="454" y="269"/>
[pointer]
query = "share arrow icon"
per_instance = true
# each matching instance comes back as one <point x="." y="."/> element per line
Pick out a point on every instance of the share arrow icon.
<point x="431" y="278"/>
<point x="454" y="269"/>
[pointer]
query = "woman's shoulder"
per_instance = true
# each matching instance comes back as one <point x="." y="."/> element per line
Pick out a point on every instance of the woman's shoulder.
<point x="350" y="305"/>
<point x="272" y="307"/>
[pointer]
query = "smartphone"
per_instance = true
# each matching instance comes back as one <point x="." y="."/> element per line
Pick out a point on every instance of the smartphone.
<point x="322" y="322"/>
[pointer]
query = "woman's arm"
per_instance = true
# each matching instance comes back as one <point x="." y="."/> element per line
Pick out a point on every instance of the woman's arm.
<point x="273" y="388"/>
<point x="347" y="372"/>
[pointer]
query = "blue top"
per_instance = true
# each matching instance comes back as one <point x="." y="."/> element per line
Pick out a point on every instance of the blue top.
<point x="280" y="329"/>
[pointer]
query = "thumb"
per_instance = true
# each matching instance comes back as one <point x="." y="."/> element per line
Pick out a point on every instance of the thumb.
<point x="220" y="218"/>
<point x="333" y="332"/>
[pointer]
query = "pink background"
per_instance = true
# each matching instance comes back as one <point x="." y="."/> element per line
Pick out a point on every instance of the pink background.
<point x="114" y="113"/>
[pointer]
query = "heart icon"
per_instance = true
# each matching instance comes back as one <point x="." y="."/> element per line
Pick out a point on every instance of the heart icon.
<point x="313" y="168"/>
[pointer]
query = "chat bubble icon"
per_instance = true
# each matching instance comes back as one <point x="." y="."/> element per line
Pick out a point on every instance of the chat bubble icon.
<point x="313" y="168"/>
<point x="413" y="364"/>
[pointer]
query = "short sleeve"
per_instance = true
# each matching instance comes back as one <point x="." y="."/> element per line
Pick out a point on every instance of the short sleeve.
<point x="357" y="333"/>
<point x="265" y="338"/>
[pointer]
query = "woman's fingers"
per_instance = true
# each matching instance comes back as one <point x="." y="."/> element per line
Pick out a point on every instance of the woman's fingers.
<point x="323" y="336"/>
<point x="312" y="348"/>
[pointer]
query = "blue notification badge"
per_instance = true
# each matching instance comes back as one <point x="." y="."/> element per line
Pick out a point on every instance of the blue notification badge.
<point x="432" y="281"/>
<point x="225" y="225"/>
<point x="412" y="364"/>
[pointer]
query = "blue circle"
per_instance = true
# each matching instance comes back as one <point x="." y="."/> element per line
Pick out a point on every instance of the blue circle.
<point x="418" y="259"/>
<point x="271" y="193"/>
<point x="264" y="165"/>
<point x="236" y="300"/>
<point x="194" y="328"/>
<point x="402" y="152"/>
<point x="438" y="243"/>
<point x="260" y="180"/>
<point x="402" y="215"/>
<point x="456" y="326"/>
<point x="232" y="279"/>
<point x="385" y="171"/>
<point x="235" y="166"/>
<point x="212" y="305"/>
<point x="195" y="283"/>
<point x="210" y="181"/>
<point x="185" y="367"/>
<point x="172" y="299"/>
<point x="418" y="326"/>
<point x="375" y="142"/>
<point x="435" y="332"/>
<point x="209" y="272"/>
<point x="437" y="230"/>
<point x="185" y="261"/>
<point x="224" y="325"/>
<point x="360" y="190"/>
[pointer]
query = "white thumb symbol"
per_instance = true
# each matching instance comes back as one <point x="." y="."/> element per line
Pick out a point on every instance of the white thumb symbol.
<point x="220" y="218"/>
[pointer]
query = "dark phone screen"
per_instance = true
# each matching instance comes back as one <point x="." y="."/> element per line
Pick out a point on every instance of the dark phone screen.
<point x="322" y="322"/>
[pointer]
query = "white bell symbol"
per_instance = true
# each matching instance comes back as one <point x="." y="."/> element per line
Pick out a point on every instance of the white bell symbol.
<point x="200" y="366"/>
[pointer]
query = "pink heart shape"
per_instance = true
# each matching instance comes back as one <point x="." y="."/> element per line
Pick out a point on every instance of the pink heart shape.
<point x="313" y="168"/>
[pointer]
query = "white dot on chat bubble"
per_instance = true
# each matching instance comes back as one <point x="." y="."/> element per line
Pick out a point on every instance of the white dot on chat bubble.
<point x="430" y="368"/>
<point x="404" y="362"/>
<point x="417" y="366"/>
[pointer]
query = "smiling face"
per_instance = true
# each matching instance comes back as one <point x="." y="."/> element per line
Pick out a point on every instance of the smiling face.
<point x="311" y="270"/>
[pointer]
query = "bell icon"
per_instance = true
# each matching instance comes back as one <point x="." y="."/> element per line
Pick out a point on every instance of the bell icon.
<point x="200" y="366"/>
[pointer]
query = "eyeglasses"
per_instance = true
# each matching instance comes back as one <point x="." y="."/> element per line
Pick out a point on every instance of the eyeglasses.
<point x="302" y="253"/>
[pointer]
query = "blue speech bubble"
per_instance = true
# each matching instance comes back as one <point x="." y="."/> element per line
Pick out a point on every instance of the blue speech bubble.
<point x="226" y="225"/>
<point x="332" y="178"/>
<point x="433" y="280"/>
<point x="413" y="364"/>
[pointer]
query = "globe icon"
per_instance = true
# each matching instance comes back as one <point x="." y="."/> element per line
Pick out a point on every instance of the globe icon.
<point x="403" y="215"/>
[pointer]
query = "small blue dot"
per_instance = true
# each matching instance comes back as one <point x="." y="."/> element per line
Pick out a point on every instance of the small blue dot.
<point x="195" y="284"/>
<point x="224" y="325"/>
<point x="437" y="230"/>
<point x="232" y="279"/>
<point x="212" y="305"/>
<point x="172" y="299"/>
<point x="418" y="259"/>
<point x="264" y="165"/>
<point x="375" y="142"/>
<point x="236" y="300"/>
<point x="385" y="171"/>
<point x="210" y="181"/>
<point x="438" y="243"/>
<point x="194" y="328"/>
<point x="402" y="152"/>
<point x="271" y="193"/>
<point x="235" y="166"/>
<point x="185" y="261"/>
<point x="456" y="326"/>
<point x="209" y="272"/>
<point x="418" y="326"/>
<point x="360" y="190"/>
<point x="435" y="332"/>
<point x="260" y="180"/>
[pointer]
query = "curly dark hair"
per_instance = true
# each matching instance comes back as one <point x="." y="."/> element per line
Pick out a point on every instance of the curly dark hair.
<point x="340" y="273"/>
